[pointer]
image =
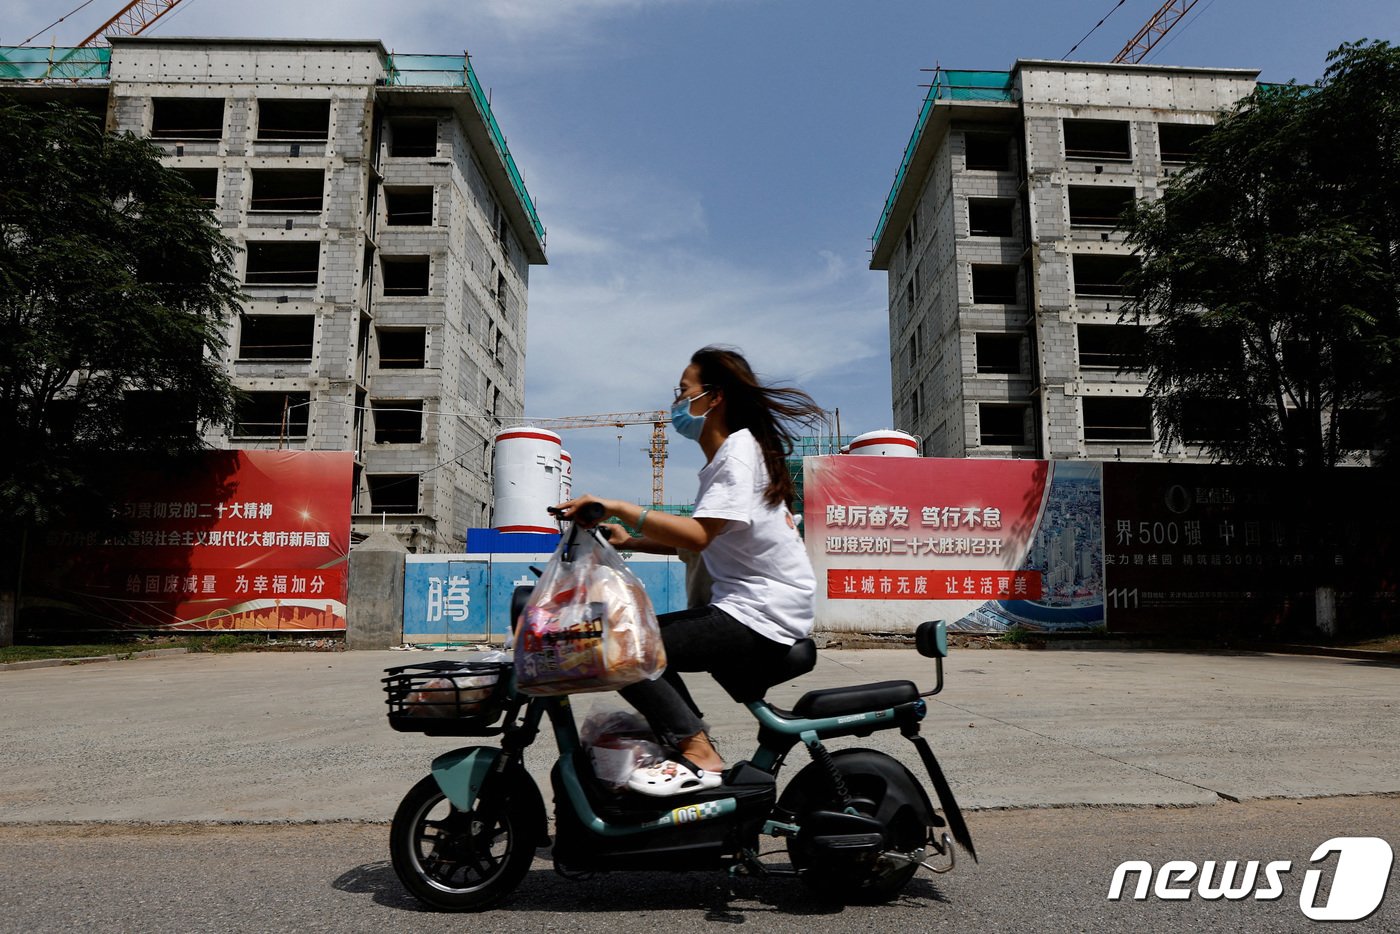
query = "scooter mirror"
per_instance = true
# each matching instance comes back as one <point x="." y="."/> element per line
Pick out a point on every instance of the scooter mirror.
<point x="931" y="639"/>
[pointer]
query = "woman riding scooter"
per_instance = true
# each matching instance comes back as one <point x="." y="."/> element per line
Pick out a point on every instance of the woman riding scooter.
<point x="763" y="591"/>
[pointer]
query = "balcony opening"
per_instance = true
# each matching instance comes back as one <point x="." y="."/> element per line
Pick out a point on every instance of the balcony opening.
<point x="413" y="137"/>
<point x="409" y="207"/>
<point x="1112" y="346"/>
<point x="1358" y="429"/>
<point x="405" y="275"/>
<point x="1001" y="424"/>
<point x="988" y="152"/>
<point x="296" y="120"/>
<point x="1178" y="142"/>
<point x="287" y="190"/>
<point x="402" y="348"/>
<point x="1108" y="418"/>
<point x="398" y="421"/>
<point x="990" y="217"/>
<point x="1098" y="275"/>
<point x="188" y="118"/>
<point x="276" y="337"/>
<point x="262" y="415"/>
<point x="283" y="262"/>
<point x="1098" y="140"/>
<point x="1098" y="207"/>
<point x="205" y="183"/>
<point x="994" y="285"/>
<point x="393" y="493"/>
<point x="999" y="353"/>
<point x="1217" y="348"/>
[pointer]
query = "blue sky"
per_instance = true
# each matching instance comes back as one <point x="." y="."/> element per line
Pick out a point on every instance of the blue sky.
<point x="712" y="170"/>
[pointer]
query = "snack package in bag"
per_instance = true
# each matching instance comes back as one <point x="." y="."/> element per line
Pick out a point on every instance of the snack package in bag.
<point x="589" y="625"/>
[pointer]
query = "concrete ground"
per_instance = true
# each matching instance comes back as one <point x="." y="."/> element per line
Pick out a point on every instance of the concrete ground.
<point x="302" y="736"/>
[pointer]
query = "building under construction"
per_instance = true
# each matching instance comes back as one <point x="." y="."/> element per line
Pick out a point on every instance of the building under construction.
<point x="999" y="237"/>
<point x="385" y="239"/>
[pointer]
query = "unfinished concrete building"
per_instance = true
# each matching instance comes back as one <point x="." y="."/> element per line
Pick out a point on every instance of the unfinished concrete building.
<point x="385" y="240"/>
<point x="1004" y="265"/>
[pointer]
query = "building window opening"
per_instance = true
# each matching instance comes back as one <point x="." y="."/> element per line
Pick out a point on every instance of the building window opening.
<point x="405" y="275"/>
<point x="272" y="415"/>
<point x="1101" y="275"/>
<point x="398" y="421"/>
<point x="1108" y="418"/>
<point x="1206" y="421"/>
<point x="287" y="190"/>
<point x="1098" y="140"/>
<point x="153" y="413"/>
<point x="296" y="120"/>
<point x="276" y="337"/>
<point x="1099" y="207"/>
<point x="988" y="152"/>
<point x="283" y="262"/>
<point x="1002" y="425"/>
<point x="990" y="217"/>
<point x="999" y="353"/>
<point x="393" y="493"/>
<point x="1112" y="346"/>
<point x="1179" y="142"/>
<point x="409" y="207"/>
<point x="994" y="285"/>
<point x="402" y="348"/>
<point x="1358" y="429"/>
<point x="187" y="118"/>
<point x="413" y="138"/>
<point x="205" y="183"/>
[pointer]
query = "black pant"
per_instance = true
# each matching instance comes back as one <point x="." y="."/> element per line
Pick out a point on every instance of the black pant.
<point x="702" y="639"/>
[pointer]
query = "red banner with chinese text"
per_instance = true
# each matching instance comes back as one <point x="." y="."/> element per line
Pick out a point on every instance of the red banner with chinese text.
<point x="226" y="540"/>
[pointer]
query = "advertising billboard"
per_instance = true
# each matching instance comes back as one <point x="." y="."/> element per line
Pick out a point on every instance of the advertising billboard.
<point x="224" y="540"/>
<point x="981" y="544"/>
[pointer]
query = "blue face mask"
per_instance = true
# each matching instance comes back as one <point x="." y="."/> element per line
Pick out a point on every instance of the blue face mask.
<point x="687" y="425"/>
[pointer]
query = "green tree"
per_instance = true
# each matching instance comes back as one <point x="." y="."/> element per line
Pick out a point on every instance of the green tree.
<point x="1270" y="273"/>
<point x="115" y="287"/>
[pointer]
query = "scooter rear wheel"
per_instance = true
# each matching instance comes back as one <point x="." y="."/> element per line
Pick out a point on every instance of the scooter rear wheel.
<point x="455" y="860"/>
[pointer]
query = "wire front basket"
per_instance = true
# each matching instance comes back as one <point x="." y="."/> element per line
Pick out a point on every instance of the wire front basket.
<point x="448" y="698"/>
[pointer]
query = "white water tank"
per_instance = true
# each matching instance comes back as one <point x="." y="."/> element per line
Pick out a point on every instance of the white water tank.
<point x="526" y="473"/>
<point x="884" y="443"/>
<point x="566" y="476"/>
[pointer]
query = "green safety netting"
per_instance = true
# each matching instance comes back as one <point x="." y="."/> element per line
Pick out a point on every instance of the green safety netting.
<point x="992" y="86"/>
<point x="455" y="71"/>
<point x="20" y="63"/>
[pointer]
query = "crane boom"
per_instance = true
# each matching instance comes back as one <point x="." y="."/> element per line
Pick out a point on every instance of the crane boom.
<point x="1161" y="23"/>
<point x="131" y="20"/>
<point x="658" y="420"/>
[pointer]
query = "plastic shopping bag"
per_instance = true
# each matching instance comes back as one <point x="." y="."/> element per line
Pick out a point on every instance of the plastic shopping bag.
<point x="618" y="742"/>
<point x="589" y="624"/>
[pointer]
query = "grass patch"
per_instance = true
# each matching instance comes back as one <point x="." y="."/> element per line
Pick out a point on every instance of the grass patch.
<point x="223" y="642"/>
<point x="1389" y="644"/>
<point x="26" y="653"/>
<point x="1019" y="636"/>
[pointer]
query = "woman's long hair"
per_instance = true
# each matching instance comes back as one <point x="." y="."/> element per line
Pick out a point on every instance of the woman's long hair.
<point x="769" y="412"/>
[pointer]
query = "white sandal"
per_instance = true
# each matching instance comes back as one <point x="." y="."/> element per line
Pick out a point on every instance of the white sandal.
<point x="672" y="777"/>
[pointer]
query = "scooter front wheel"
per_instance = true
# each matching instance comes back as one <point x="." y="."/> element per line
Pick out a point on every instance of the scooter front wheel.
<point x="455" y="860"/>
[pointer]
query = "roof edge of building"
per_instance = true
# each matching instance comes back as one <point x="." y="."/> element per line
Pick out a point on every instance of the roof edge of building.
<point x="375" y="44"/>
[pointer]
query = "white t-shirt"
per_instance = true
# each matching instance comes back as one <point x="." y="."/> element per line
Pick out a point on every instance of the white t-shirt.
<point x="761" y="573"/>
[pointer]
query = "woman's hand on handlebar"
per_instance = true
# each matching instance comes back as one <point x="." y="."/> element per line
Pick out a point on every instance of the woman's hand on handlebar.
<point x="586" y="510"/>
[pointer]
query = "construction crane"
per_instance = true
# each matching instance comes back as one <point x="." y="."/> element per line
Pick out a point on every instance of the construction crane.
<point x="1161" y="23"/>
<point x="131" y="20"/>
<point x="658" y="422"/>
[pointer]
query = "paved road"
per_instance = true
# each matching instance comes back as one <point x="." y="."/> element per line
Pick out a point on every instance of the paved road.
<point x="1042" y="870"/>
<point x="291" y="737"/>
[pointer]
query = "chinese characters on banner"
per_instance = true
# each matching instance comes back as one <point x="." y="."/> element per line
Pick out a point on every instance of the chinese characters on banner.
<point x="1189" y="546"/>
<point x="981" y="544"/>
<point x="247" y="540"/>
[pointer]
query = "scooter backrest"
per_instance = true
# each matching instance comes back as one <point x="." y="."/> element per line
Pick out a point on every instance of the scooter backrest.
<point x="931" y="639"/>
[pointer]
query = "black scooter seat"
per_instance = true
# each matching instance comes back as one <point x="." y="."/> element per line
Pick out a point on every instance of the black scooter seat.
<point x="859" y="698"/>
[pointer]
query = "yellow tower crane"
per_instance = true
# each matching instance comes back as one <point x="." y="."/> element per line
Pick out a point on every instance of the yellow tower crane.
<point x="658" y="422"/>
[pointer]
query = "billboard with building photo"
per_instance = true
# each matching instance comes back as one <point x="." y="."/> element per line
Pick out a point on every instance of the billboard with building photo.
<point x="983" y="544"/>
<point x="224" y="540"/>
